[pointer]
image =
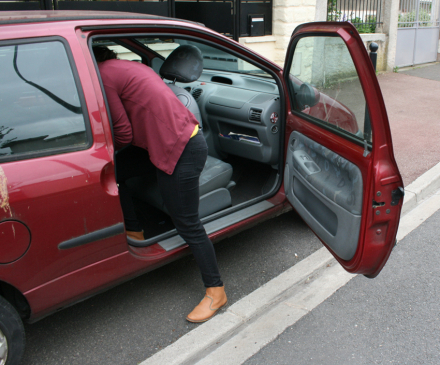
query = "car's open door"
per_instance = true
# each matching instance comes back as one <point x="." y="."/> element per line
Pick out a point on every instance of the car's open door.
<point x="340" y="172"/>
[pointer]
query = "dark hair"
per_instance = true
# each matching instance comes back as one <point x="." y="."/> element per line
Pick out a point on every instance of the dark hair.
<point x="103" y="53"/>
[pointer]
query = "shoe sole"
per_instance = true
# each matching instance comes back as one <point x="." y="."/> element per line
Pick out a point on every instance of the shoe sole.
<point x="206" y="319"/>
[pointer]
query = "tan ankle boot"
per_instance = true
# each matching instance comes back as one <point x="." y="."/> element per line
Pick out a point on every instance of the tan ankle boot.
<point x="138" y="236"/>
<point x="215" y="298"/>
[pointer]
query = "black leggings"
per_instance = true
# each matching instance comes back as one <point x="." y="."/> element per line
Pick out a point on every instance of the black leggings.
<point x="180" y="193"/>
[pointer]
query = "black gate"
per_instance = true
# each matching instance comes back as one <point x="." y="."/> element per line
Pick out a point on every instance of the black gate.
<point x="24" y="5"/>
<point x="162" y="8"/>
<point x="233" y="18"/>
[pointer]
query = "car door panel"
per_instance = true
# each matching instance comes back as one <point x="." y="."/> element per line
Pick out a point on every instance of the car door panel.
<point x="326" y="190"/>
<point x="58" y="171"/>
<point x="340" y="181"/>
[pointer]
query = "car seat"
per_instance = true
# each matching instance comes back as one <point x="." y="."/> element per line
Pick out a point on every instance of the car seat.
<point x="185" y="64"/>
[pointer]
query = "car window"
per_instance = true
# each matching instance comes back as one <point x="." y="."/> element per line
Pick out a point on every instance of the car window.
<point x="122" y="52"/>
<point x="325" y="85"/>
<point x="213" y="58"/>
<point x="39" y="101"/>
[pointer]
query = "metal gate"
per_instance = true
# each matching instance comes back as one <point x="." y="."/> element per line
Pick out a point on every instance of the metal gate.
<point x="233" y="18"/>
<point x="418" y="32"/>
<point x="24" y="5"/>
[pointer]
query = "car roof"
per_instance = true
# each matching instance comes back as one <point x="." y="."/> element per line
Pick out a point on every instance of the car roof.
<point x="37" y="16"/>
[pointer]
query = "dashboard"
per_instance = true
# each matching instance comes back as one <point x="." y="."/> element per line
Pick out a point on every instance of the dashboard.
<point x="240" y="114"/>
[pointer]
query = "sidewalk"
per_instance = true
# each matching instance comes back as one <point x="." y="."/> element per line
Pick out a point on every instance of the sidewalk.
<point x="412" y="99"/>
<point x="429" y="71"/>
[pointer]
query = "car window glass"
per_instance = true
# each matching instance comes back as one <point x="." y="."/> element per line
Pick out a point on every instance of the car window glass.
<point x="156" y="64"/>
<point x="213" y="58"/>
<point x="325" y="85"/>
<point x="122" y="52"/>
<point x="39" y="102"/>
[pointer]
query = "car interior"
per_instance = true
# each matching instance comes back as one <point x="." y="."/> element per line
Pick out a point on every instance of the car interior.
<point x="238" y="107"/>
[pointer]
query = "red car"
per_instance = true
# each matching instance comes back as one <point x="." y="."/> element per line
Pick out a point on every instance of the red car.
<point x="314" y="137"/>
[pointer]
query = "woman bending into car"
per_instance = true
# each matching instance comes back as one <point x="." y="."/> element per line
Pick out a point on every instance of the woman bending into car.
<point x="160" y="135"/>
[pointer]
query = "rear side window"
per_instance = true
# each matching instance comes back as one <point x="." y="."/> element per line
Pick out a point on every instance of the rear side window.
<point x="40" y="106"/>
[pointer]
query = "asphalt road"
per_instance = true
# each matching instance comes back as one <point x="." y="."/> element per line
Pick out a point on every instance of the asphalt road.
<point x="129" y="323"/>
<point x="430" y="71"/>
<point x="393" y="319"/>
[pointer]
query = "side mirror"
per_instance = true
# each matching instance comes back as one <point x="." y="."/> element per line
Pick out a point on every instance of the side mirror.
<point x="307" y="96"/>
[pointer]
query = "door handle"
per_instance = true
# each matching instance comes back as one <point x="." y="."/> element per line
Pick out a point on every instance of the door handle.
<point x="305" y="162"/>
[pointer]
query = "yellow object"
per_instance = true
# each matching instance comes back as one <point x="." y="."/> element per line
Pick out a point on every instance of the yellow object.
<point x="196" y="129"/>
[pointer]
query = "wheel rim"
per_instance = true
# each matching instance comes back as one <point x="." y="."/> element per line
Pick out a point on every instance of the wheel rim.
<point x="3" y="348"/>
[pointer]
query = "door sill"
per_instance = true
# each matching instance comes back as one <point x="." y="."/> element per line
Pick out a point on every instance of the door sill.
<point x="221" y="223"/>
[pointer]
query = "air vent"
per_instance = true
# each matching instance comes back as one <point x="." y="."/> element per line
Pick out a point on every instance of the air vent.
<point x="255" y="115"/>
<point x="196" y="93"/>
<point x="188" y="88"/>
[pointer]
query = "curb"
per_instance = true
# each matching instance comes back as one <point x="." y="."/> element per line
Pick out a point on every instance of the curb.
<point x="201" y="340"/>
<point x="421" y="188"/>
<point x="209" y="341"/>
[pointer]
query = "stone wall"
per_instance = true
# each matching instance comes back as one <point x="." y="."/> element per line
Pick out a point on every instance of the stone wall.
<point x="287" y="14"/>
<point x="382" y="41"/>
<point x="267" y="46"/>
<point x="438" y="50"/>
<point x="322" y="61"/>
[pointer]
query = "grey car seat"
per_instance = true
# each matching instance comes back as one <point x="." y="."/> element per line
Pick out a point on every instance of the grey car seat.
<point x="185" y="64"/>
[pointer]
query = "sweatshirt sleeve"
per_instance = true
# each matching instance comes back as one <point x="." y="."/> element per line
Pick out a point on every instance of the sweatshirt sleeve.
<point x="122" y="130"/>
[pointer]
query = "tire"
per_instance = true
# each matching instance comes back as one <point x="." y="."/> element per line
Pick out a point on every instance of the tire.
<point x="12" y="336"/>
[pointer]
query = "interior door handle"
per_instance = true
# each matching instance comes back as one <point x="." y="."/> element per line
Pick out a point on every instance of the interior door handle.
<point x="305" y="162"/>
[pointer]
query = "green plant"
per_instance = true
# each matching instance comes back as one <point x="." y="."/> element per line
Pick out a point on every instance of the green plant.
<point x="367" y="26"/>
<point x="332" y="13"/>
<point x="410" y="18"/>
<point x="396" y="69"/>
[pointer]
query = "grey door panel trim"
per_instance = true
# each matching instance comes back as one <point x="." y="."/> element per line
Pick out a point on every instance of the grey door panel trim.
<point x="342" y="238"/>
<point x="312" y="182"/>
<point x="214" y="226"/>
<point x="337" y="178"/>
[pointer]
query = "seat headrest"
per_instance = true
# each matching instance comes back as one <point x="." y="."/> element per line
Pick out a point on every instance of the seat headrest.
<point x="184" y="64"/>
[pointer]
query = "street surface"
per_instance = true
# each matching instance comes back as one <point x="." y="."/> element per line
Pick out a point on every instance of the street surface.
<point x="393" y="319"/>
<point x="132" y="321"/>
<point x="430" y="71"/>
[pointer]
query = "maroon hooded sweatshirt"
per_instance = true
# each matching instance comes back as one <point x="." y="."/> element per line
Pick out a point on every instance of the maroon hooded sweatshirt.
<point x="145" y="112"/>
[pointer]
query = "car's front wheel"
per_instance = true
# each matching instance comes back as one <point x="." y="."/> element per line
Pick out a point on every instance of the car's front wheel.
<point x="12" y="336"/>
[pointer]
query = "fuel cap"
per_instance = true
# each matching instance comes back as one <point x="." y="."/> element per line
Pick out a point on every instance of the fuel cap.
<point x="15" y="239"/>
